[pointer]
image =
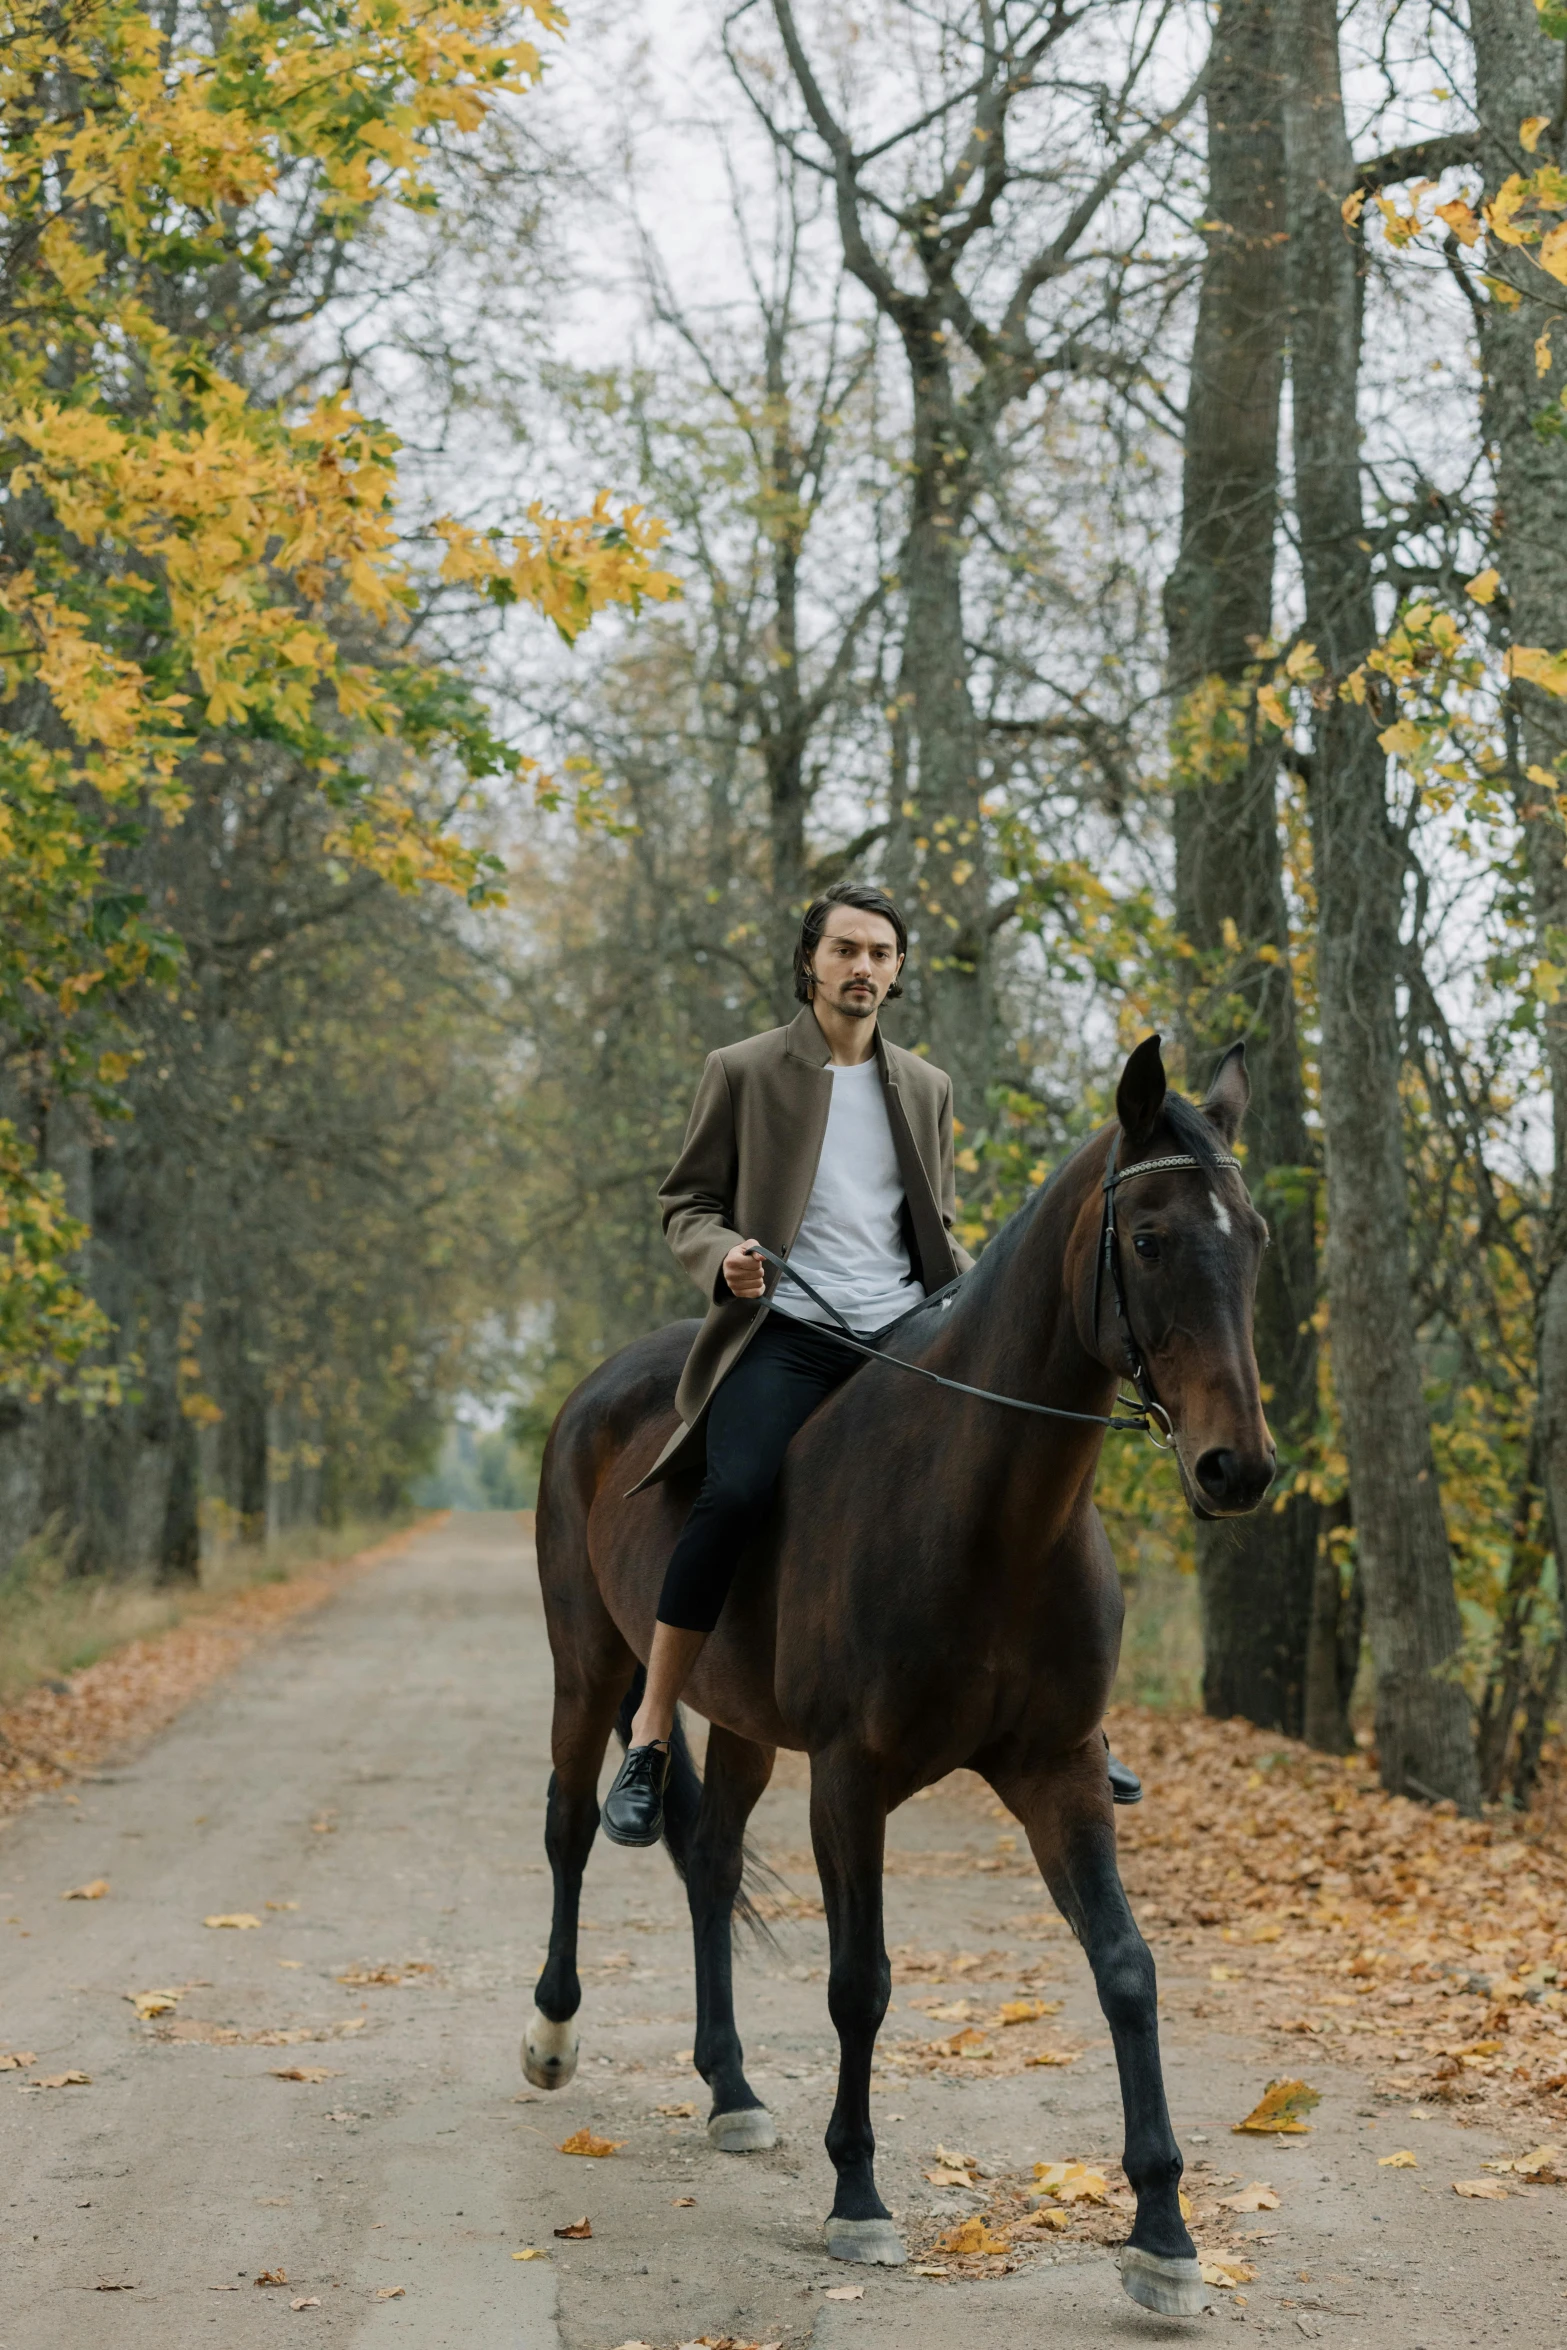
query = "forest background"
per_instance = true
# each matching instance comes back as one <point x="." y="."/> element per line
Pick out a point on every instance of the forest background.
<point x="1111" y="464"/>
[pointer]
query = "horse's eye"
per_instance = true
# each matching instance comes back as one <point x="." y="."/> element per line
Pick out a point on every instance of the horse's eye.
<point x="1146" y="1246"/>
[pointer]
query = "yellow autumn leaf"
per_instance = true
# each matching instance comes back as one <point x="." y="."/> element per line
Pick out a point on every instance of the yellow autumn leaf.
<point x="1403" y="740"/>
<point x="1070" y="2182"/>
<point x="1461" y="220"/>
<point x="1537" y="667"/>
<point x="1280" y="2109"/>
<point x="1546" y="983"/>
<point x="1529" y="131"/>
<point x="1027" y="2011"/>
<point x="1480" y="2190"/>
<point x="1482" y="588"/>
<point x="1226" y="2274"/>
<point x="1504" y="207"/>
<point x="583" y="2142"/>
<point x="94" y="1890"/>
<point x="240" y="1920"/>
<point x="530" y="2252"/>
<point x="1402" y="2160"/>
<point x="1552" y="258"/>
<point x="970" y="2237"/>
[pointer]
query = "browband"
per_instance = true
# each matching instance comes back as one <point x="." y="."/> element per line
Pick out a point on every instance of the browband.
<point x="1153" y="1167"/>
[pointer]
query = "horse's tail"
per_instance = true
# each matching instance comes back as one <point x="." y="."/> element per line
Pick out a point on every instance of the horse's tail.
<point x="683" y="1800"/>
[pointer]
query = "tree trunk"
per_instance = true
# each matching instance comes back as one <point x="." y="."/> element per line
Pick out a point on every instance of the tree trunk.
<point x="952" y="984"/>
<point x="1518" y="73"/>
<point x="1424" y="1733"/>
<point x="1256" y="1577"/>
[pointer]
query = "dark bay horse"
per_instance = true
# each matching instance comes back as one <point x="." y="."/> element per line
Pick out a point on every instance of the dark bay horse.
<point x="934" y="1590"/>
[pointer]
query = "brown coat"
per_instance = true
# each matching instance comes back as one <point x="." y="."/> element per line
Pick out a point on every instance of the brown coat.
<point x="746" y="1171"/>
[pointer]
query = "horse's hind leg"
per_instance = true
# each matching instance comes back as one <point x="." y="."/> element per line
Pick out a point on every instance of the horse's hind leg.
<point x="586" y="1697"/>
<point x="1065" y="1807"/>
<point x="848" y="1831"/>
<point x="713" y="1856"/>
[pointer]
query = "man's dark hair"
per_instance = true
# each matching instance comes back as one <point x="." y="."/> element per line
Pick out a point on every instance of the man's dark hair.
<point x="842" y="893"/>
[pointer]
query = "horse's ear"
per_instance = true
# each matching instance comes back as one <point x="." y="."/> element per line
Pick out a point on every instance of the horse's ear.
<point x="1140" y="1095"/>
<point x="1229" y="1093"/>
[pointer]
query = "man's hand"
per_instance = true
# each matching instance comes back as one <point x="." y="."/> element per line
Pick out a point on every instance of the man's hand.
<point x="745" y="1273"/>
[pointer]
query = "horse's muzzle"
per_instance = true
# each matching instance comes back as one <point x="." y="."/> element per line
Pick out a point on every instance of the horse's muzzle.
<point x="1231" y="1483"/>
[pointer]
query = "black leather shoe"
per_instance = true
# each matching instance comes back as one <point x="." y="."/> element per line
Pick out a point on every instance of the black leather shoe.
<point x="633" y="1811"/>
<point x="1125" y="1785"/>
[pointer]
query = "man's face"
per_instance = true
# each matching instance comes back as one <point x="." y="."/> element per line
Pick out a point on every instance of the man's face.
<point x="855" y="962"/>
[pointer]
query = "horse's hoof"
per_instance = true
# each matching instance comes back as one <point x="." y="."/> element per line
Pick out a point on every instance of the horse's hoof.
<point x="747" y="2130"/>
<point x="1172" y="2287"/>
<point x="865" y="2239"/>
<point x="549" y="2051"/>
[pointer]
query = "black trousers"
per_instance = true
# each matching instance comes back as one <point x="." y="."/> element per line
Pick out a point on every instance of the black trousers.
<point x="786" y="1371"/>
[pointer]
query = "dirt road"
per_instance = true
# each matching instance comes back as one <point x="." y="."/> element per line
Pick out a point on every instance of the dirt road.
<point x="369" y="1789"/>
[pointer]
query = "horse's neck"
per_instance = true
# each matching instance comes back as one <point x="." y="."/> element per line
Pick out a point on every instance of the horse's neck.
<point x="1018" y="1336"/>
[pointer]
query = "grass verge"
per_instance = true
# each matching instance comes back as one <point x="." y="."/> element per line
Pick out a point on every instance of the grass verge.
<point x="54" y="1624"/>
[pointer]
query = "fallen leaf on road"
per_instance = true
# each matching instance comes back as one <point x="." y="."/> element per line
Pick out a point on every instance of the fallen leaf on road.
<point x="16" y="2060"/>
<point x="325" y="1827"/>
<point x="105" y="2288"/>
<point x="949" y="2178"/>
<point x="926" y="2269"/>
<point x="1225" y="1974"/>
<point x="390" y="2292"/>
<point x="295" y="1963"/>
<point x="950" y="2011"/>
<point x="304" y="2072"/>
<point x="844" y="2293"/>
<point x="310" y="2301"/>
<point x="1281" y="2106"/>
<point x="240" y="1919"/>
<point x="282" y="1905"/>
<point x="682" y="2202"/>
<point x="531" y="2253"/>
<point x="150" y="2003"/>
<point x="1542" y="2165"/>
<point x="223" y="2288"/>
<point x="969" y="2042"/>
<point x="94" y="1891"/>
<point x="971" y="2236"/>
<point x="1070" y="2182"/>
<point x="676" y="2113"/>
<point x="953" y="2161"/>
<point x="1259" y="2196"/>
<point x="583" y="2142"/>
<point x="1050" y="2056"/>
<point x="578" y="2229"/>
<point x="1480" y="2190"/>
<point x="1046" y="2217"/>
<point x="1227" y="2274"/>
<point x="386" y="1975"/>
<point x="57" y="2081"/>
<point x="273" y="2276"/>
<point x="1028" y="2011"/>
<point x="1402" y="2160"/>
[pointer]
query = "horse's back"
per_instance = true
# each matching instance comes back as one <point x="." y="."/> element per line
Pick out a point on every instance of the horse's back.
<point x="595" y="1427"/>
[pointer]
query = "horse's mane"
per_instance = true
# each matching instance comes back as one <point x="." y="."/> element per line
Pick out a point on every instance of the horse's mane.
<point x="1183" y="1125"/>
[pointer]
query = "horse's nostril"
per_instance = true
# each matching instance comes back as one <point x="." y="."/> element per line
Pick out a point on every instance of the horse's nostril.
<point x="1215" y="1474"/>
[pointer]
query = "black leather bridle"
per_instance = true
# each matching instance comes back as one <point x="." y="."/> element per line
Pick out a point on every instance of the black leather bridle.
<point x="1108" y="1261"/>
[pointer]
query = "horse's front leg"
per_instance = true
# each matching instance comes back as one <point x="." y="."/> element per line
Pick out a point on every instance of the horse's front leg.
<point x="848" y="1828"/>
<point x="1065" y="1807"/>
<point x="584" y="1713"/>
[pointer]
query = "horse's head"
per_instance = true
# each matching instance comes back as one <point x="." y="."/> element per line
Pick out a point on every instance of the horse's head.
<point x="1186" y="1246"/>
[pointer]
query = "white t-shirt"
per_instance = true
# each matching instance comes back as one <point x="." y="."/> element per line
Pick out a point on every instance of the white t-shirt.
<point x="850" y="1244"/>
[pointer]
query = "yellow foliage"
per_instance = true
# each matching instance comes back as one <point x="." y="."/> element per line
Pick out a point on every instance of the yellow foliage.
<point x="202" y="557"/>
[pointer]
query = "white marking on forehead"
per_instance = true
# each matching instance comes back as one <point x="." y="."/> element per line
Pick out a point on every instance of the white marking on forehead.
<point x="1221" y="1214"/>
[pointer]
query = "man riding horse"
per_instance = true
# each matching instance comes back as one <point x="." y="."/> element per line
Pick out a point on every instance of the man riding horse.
<point x="930" y="1587"/>
<point x="852" y="1180"/>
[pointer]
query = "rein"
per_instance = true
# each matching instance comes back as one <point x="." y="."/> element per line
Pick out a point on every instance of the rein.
<point x="1140" y="1419"/>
